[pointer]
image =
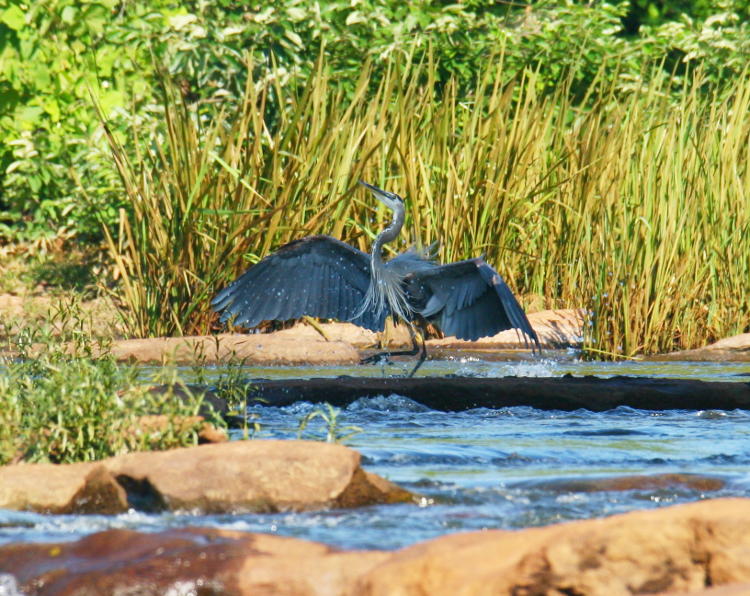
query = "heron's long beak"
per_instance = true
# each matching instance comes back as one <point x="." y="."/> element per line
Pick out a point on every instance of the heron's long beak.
<point x="381" y="195"/>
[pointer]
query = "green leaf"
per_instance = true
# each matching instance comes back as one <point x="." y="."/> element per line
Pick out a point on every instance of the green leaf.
<point x="42" y="77"/>
<point x="111" y="99"/>
<point x="29" y="115"/>
<point x="14" y="17"/>
<point x="69" y="14"/>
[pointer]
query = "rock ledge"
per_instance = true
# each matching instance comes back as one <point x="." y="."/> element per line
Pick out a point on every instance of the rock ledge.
<point x="240" y="476"/>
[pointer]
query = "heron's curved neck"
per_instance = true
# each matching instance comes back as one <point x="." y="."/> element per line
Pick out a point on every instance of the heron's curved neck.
<point x="387" y="235"/>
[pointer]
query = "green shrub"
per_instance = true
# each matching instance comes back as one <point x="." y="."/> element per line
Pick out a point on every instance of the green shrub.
<point x="63" y="399"/>
<point x="53" y="180"/>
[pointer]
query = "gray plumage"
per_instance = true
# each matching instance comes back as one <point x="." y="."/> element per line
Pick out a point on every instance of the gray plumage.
<point x="322" y="277"/>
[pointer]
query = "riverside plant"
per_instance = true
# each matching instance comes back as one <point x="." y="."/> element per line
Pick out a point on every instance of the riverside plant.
<point x="231" y="383"/>
<point x="633" y="205"/>
<point x="330" y="417"/>
<point x="63" y="399"/>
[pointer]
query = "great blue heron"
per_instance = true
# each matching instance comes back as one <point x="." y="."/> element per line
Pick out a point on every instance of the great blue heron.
<point x="321" y="276"/>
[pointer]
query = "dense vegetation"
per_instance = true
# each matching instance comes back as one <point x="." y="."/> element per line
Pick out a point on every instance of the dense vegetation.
<point x="597" y="153"/>
<point x="64" y="398"/>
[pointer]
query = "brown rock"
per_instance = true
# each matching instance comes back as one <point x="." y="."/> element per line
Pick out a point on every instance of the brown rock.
<point x="728" y="590"/>
<point x="205" y="561"/>
<point x="700" y="548"/>
<point x="683" y="548"/>
<point x="735" y="348"/>
<point x="303" y="344"/>
<point x="210" y="434"/>
<point x="50" y="488"/>
<point x="366" y="488"/>
<point x="346" y="332"/>
<point x="207" y="432"/>
<point x="261" y="348"/>
<point x="260" y="476"/>
<point x="392" y="335"/>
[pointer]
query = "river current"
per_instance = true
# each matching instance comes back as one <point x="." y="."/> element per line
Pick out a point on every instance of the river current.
<point x="484" y="468"/>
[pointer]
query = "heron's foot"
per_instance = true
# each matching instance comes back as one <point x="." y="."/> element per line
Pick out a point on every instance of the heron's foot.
<point x="381" y="358"/>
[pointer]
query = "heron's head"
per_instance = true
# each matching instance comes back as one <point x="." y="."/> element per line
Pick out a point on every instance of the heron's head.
<point x="389" y="199"/>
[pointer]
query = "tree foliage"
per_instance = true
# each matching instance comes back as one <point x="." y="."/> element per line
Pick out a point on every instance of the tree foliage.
<point x="55" y="174"/>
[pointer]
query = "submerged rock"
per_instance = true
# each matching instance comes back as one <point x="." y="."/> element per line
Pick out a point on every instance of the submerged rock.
<point x="249" y="476"/>
<point x="675" y="550"/>
<point x="648" y="482"/>
<point x="186" y="561"/>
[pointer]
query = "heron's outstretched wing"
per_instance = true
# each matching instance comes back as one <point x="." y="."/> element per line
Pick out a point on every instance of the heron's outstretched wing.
<point x="317" y="276"/>
<point x="469" y="300"/>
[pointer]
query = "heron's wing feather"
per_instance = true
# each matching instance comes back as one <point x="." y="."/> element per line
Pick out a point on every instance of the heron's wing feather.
<point x="469" y="300"/>
<point x="317" y="276"/>
<point x="412" y="260"/>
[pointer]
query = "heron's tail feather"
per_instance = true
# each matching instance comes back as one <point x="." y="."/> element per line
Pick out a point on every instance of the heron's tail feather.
<point x="385" y="295"/>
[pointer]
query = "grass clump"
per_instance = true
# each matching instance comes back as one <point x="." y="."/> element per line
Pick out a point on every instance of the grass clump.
<point x="64" y="399"/>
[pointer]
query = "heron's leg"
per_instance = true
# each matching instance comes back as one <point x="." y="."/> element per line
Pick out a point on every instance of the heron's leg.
<point x="414" y="351"/>
<point x="423" y="355"/>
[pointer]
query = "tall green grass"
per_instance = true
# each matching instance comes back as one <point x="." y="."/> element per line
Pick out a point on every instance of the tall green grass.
<point x="634" y="207"/>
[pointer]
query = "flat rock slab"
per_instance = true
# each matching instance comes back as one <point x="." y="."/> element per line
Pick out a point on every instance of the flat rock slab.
<point x="556" y="329"/>
<point x="453" y="394"/>
<point x="338" y="343"/>
<point x="240" y="476"/>
<point x="735" y="348"/>
<point x="257" y="348"/>
<point x="673" y="550"/>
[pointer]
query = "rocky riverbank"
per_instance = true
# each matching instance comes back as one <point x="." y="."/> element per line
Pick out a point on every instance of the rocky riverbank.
<point x="699" y="548"/>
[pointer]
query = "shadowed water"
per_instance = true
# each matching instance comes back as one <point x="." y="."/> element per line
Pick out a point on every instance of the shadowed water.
<point x="506" y="468"/>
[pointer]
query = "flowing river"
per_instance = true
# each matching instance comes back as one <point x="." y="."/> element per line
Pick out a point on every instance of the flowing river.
<point x="483" y="468"/>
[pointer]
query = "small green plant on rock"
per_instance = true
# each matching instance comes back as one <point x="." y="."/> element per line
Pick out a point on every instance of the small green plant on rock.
<point x="231" y="385"/>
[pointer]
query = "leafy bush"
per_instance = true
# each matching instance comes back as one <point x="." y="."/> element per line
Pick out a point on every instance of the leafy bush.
<point x="53" y="179"/>
<point x="64" y="399"/>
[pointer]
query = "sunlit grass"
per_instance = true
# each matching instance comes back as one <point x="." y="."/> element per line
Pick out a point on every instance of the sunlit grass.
<point x="635" y="208"/>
